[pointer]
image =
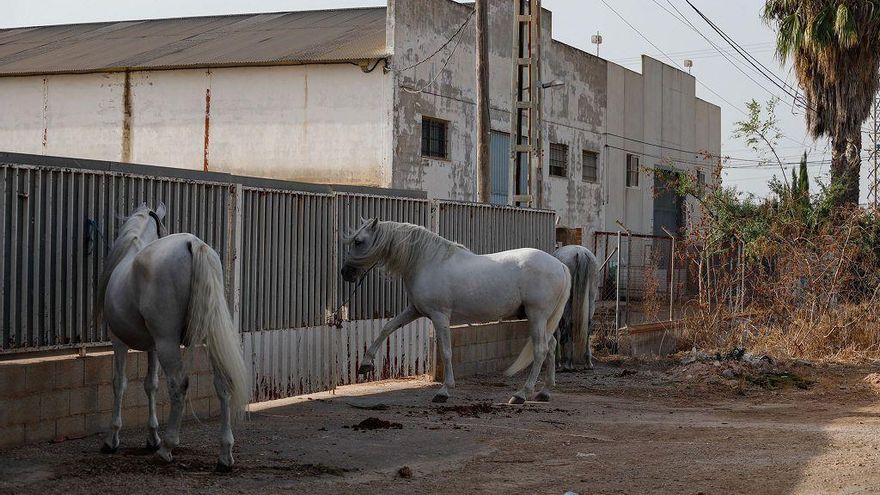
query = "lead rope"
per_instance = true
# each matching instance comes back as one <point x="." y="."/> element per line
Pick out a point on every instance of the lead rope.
<point x="334" y="319"/>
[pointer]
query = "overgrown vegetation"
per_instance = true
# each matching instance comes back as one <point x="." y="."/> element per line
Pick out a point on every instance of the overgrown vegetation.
<point x="790" y="274"/>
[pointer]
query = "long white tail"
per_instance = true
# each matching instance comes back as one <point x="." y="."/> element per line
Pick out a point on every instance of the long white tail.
<point x="580" y="304"/>
<point x="209" y="322"/>
<point x="527" y="355"/>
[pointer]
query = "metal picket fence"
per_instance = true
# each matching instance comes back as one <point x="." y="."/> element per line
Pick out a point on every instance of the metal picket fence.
<point x="280" y="243"/>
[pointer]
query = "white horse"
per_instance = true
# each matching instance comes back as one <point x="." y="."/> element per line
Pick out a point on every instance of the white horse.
<point x="577" y="320"/>
<point x="158" y="293"/>
<point x="447" y="283"/>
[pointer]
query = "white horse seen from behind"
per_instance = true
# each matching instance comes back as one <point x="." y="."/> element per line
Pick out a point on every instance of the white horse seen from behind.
<point x="577" y="320"/>
<point x="447" y="283"/>
<point x="158" y="292"/>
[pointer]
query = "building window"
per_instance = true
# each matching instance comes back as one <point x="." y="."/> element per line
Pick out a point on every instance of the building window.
<point x="558" y="160"/>
<point x="701" y="182"/>
<point x="434" y="137"/>
<point x="632" y="171"/>
<point x="590" y="166"/>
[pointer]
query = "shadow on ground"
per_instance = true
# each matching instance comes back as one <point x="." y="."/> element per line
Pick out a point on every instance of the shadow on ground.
<point x="626" y="427"/>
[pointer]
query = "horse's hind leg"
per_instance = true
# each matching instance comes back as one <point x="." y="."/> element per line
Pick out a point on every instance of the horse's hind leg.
<point x="120" y="381"/>
<point x="549" y="372"/>
<point x="589" y="354"/>
<point x="151" y="385"/>
<point x="538" y="335"/>
<point x="178" y="382"/>
<point x="224" y="464"/>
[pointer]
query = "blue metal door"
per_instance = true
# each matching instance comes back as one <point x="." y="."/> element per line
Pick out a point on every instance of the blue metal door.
<point x="499" y="162"/>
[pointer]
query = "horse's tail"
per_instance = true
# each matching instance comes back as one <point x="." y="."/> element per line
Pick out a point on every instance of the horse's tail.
<point x="209" y="322"/>
<point x="527" y="355"/>
<point x="580" y="304"/>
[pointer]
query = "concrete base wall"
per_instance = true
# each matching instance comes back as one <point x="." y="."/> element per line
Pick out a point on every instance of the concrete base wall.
<point x="483" y="349"/>
<point x="48" y="398"/>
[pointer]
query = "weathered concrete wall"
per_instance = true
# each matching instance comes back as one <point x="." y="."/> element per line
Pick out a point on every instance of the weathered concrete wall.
<point x="48" y="398"/>
<point x="315" y="123"/>
<point x="657" y="116"/>
<point x="574" y="114"/>
<point x="484" y="349"/>
<point x="62" y="115"/>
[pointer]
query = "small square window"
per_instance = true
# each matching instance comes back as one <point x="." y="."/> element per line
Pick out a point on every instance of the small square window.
<point x="558" y="160"/>
<point x="590" y="166"/>
<point x="434" y="138"/>
<point x="632" y="171"/>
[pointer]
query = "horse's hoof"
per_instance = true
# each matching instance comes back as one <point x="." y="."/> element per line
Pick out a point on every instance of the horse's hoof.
<point x="439" y="398"/>
<point x="222" y="468"/>
<point x="165" y="455"/>
<point x="542" y="397"/>
<point x="106" y="449"/>
<point x="152" y="447"/>
<point x="517" y="400"/>
<point x="365" y="369"/>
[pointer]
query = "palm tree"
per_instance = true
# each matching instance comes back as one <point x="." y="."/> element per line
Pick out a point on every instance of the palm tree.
<point x="835" y="46"/>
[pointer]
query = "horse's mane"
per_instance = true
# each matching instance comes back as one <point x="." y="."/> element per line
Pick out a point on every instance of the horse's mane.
<point x="401" y="247"/>
<point x="128" y="238"/>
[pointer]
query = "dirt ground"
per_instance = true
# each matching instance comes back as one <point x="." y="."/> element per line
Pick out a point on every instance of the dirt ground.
<point x="626" y="427"/>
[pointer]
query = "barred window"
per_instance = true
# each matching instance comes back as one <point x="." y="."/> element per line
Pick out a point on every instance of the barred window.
<point x="558" y="160"/>
<point x="434" y="137"/>
<point x="590" y="166"/>
<point x="632" y="171"/>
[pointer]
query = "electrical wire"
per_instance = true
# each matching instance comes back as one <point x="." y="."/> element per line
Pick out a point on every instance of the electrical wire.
<point x="444" y="45"/>
<point x="684" y="20"/>
<point x="671" y="59"/>
<point x="754" y="62"/>
<point x="437" y="75"/>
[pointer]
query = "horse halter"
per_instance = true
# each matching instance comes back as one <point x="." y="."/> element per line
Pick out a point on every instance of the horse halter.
<point x="159" y="227"/>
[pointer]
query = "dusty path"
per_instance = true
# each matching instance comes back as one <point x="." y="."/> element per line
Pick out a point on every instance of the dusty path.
<point x="624" y="428"/>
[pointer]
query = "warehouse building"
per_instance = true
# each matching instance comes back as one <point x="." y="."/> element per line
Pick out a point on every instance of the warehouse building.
<point x="354" y="96"/>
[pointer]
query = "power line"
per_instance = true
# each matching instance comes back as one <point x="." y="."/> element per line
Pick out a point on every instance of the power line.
<point x="754" y="62"/>
<point x="706" y="153"/>
<point x="683" y="19"/>
<point x="670" y="58"/>
<point x="735" y="107"/>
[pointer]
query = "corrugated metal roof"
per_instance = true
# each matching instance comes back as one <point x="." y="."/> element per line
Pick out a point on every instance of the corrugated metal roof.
<point x="230" y="40"/>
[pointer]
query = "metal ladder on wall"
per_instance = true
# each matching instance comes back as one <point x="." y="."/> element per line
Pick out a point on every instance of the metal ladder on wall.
<point x="525" y="121"/>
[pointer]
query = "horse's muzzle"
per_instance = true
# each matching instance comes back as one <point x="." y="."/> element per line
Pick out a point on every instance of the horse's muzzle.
<point x="349" y="273"/>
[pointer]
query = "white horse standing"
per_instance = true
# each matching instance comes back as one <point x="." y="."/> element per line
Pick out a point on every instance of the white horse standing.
<point x="577" y="320"/>
<point x="158" y="293"/>
<point x="447" y="283"/>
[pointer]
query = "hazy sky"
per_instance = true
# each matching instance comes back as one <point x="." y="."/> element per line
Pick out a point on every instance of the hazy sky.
<point x="573" y="23"/>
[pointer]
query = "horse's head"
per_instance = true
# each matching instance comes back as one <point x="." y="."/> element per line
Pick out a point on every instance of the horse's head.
<point x="146" y="222"/>
<point x="361" y="250"/>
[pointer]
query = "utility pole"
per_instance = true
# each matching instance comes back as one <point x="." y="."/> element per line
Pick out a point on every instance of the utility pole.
<point x="873" y="146"/>
<point x="484" y="173"/>
<point x="525" y="116"/>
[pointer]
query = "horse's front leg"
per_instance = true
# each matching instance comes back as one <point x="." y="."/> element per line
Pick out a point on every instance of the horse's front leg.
<point x="408" y="315"/>
<point x="444" y="341"/>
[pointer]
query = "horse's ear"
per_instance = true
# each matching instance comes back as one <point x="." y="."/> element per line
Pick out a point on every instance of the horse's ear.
<point x="161" y="210"/>
<point x="373" y="223"/>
